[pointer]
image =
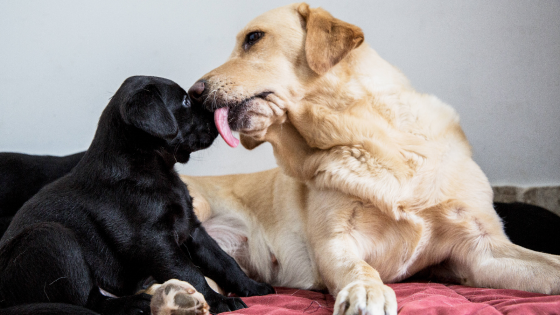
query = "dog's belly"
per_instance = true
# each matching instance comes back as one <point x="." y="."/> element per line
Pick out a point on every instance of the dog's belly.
<point x="280" y="258"/>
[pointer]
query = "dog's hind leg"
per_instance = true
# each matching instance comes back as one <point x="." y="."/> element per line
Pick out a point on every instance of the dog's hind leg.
<point x="479" y="253"/>
<point x="504" y="265"/>
<point x="476" y="252"/>
<point x="44" y="263"/>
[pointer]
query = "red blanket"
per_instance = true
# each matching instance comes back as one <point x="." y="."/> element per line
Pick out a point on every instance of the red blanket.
<point x="414" y="298"/>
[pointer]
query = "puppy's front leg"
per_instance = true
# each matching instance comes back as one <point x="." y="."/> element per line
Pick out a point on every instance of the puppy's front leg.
<point x="217" y="265"/>
<point x="170" y="262"/>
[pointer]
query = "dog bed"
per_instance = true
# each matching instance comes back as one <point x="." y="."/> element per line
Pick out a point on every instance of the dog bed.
<point x="413" y="298"/>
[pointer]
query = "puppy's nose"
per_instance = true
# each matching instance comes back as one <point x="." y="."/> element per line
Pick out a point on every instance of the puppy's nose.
<point x="196" y="91"/>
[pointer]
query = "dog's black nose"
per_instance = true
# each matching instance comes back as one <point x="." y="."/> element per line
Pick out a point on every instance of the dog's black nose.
<point x="196" y="91"/>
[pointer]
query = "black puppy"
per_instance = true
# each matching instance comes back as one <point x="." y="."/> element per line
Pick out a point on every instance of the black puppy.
<point x="121" y="215"/>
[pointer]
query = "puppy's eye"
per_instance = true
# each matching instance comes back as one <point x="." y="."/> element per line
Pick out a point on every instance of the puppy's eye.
<point x="186" y="102"/>
<point x="251" y="39"/>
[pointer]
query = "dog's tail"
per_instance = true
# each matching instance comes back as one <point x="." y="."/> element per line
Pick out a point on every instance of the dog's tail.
<point x="47" y="309"/>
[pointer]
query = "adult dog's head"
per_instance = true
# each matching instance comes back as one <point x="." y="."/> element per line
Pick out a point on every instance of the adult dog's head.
<point x="282" y="57"/>
<point x="154" y="113"/>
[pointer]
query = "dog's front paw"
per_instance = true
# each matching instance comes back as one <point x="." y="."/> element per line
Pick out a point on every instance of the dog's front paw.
<point x="256" y="288"/>
<point x="366" y="297"/>
<point x="219" y="303"/>
<point x="178" y="297"/>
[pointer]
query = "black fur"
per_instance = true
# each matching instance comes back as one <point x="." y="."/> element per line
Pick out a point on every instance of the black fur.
<point x="120" y="216"/>
<point x="530" y="226"/>
<point x="22" y="175"/>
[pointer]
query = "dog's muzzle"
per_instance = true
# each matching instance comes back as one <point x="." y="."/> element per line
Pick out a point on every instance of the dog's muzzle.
<point x="197" y="92"/>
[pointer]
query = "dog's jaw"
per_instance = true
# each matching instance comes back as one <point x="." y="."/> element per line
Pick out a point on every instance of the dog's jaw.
<point x="259" y="114"/>
<point x="248" y="113"/>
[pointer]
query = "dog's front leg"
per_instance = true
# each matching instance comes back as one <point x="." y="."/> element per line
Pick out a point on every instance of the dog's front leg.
<point x="334" y="237"/>
<point x="356" y="285"/>
<point x="217" y="265"/>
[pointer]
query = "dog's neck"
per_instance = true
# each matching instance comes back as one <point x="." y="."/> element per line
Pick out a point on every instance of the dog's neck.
<point x="121" y="151"/>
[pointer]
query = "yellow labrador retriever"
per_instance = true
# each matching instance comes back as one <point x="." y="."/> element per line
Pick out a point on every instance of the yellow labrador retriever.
<point x="376" y="181"/>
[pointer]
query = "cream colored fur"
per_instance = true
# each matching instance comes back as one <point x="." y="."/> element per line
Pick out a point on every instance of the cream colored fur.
<point x="376" y="181"/>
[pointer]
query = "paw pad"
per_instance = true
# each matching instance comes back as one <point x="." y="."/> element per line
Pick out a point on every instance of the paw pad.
<point x="176" y="297"/>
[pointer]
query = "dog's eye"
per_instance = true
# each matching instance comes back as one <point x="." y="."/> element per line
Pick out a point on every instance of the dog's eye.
<point x="251" y="39"/>
<point x="186" y="102"/>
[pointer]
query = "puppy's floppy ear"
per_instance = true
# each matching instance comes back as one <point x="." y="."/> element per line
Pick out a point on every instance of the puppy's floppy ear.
<point x="147" y="111"/>
<point x="248" y="142"/>
<point x="328" y="39"/>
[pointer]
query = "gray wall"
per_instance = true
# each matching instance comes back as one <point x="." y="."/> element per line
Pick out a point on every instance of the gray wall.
<point x="497" y="62"/>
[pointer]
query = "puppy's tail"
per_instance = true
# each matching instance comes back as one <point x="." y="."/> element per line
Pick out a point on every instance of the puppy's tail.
<point x="47" y="309"/>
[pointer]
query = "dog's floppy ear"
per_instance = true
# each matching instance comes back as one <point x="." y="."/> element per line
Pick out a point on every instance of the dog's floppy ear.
<point x="248" y="142"/>
<point x="146" y="110"/>
<point x="328" y="39"/>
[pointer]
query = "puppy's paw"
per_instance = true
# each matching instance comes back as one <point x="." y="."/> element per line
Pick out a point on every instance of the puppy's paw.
<point x="256" y="288"/>
<point x="178" y="297"/>
<point x="366" y="297"/>
<point x="219" y="303"/>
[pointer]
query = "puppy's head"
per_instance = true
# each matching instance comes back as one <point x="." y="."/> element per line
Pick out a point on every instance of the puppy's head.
<point x="163" y="114"/>
<point x="277" y="59"/>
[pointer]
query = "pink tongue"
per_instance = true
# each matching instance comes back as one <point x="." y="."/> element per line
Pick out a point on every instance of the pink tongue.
<point x="221" y="121"/>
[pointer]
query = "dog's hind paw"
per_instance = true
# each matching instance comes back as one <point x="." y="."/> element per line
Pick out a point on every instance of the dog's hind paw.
<point x="178" y="298"/>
